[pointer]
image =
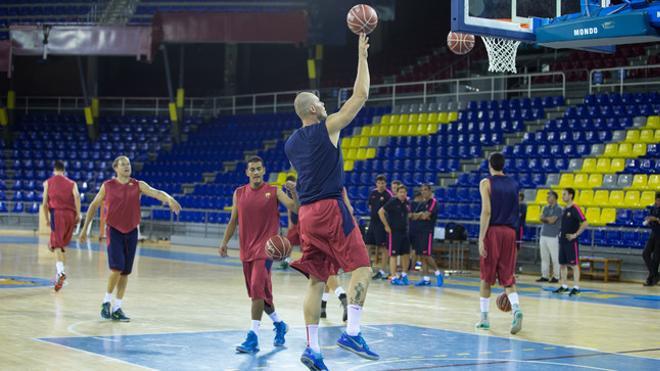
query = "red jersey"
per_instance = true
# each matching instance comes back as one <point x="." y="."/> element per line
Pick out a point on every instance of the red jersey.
<point x="123" y="204"/>
<point x="60" y="193"/>
<point x="258" y="219"/>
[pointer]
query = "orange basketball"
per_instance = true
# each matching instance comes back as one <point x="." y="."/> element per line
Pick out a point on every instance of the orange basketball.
<point x="460" y="43"/>
<point x="503" y="302"/>
<point x="278" y="247"/>
<point x="362" y="19"/>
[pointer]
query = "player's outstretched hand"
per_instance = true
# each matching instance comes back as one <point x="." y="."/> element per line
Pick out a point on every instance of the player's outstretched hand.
<point x="223" y="251"/>
<point x="174" y="205"/>
<point x="363" y="46"/>
<point x="482" y="249"/>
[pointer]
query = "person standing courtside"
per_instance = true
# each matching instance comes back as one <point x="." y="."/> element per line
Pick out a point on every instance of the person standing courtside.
<point x="549" y="241"/>
<point x="651" y="253"/>
<point x="61" y="206"/>
<point x="395" y="215"/>
<point x="573" y="223"/>
<point x="255" y="208"/>
<point x="423" y="218"/>
<point x="497" y="239"/>
<point x="376" y="237"/>
<point x="121" y="195"/>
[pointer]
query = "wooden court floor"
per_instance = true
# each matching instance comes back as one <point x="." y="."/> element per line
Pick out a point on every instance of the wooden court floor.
<point x="189" y="309"/>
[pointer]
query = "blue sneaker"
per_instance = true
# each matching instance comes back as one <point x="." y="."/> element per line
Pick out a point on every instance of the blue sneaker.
<point x="440" y="280"/>
<point x="250" y="345"/>
<point x="313" y="360"/>
<point x="404" y="281"/>
<point x="396" y="281"/>
<point x="423" y="283"/>
<point x="280" y="329"/>
<point x="357" y="345"/>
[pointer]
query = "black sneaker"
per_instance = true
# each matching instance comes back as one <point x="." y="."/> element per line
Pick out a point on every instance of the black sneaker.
<point x="376" y="276"/>
<point x="344" y="304"/>
<point x="574" y="292"/>
<point x="323" y="313"/>
<point x="648" y="282"/>
<point x="119" y="315"/>
<point x="105" y="311"/>
<point x="542" y="279"/>
<point x="554" y="280"/>
<point x="561" y="290"/>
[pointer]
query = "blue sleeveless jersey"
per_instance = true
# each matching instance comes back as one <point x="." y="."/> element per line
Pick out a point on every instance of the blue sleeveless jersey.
<point x="503" y="201"/>
<point x="319" y="164"/>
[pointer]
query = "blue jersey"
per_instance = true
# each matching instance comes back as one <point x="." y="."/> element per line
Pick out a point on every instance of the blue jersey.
<point x="319" y="164"/>
<point x="503" y="201"/>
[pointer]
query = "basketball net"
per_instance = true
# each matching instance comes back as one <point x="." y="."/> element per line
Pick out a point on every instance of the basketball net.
<point x="501" y="54"/>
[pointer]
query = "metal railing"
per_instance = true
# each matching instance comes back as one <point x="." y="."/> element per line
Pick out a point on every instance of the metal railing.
<point x="253" y="103"/>
<point x="455" y="89"/>
<point x="616" y="78"/>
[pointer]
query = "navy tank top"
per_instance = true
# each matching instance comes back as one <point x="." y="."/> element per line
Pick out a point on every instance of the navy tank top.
<point x="503" y="201"/>
<point x="319" y="164"/>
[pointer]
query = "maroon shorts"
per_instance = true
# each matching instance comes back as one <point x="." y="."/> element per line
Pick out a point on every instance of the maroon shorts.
<point x="500" y="260"/>
<point x="331" y="240"/>
<point x="62" y="224"/>
<point x="257" y="280"/>
<point x="293" y="235"/>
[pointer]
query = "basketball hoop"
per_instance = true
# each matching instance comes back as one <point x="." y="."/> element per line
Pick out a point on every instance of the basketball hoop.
<point x="501" y="54"/>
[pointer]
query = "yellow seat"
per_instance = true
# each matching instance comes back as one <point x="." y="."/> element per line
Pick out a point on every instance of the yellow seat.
<point x="452" y="116"/>
<point x="541" y="197"/>
<point x="653" y="122"/>
<point x="632" y="199"/>
<point x="589" y="165"/>
<point x="625" y="150"/>
<point x="601" y="198"/>
<point x="364" y="141"/>
<point x="566" y="181"/>
<point x="423" y="118"/>
<point x="533" y="214"/>
<point x="412" y="118"/>
<point x="281" y="178"/>
<point x="656" y="137"/>
<point x="349" y="165"/>
<point x="603" y="165"/>
<point x="384" y="130"/>
<point x="647" y="136"/>
<point x="647" y="198"/>
<point x="611" y="150"/>
<point x="593" y="216"/>
<point x="580" y="180"/>
<point x="361" y="154"/>
<point x="385" y="119"/>
<point x="608" y="215"/>
<point x="639" y="181"/>
<point x="349" y="143"/>
<point x="392" y="130"/>
<point x="403" y="130"/>
<point x="654" y="182"/>
<point x="432" y="128"/>
<point x="638" y="150"/>
<point x="595" y="180"/>
<point x="632" y="136"/>
<point x="371" y="153"/>
<point x="433" y="117"/>
<point x="403" y="119"/>
<point x="351" y="154"/>
<point x="617" y="199"/>
<point x="366" y="131"/>
<point x="443" y="117"/>
<point x="586" y="198"/>
<point x="617" y="165"/>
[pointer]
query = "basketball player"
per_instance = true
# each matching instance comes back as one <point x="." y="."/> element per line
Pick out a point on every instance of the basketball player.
<point x="422" y="227"/>
<point x="376" y="236"/>
<point x="330" y="235"/>
<point x="651" y="252"/>
<point x="497" y="239"/>
<point x="573" y="223"/>
<point x="255" y="209"/>
<point x="395" y="216"/>
<point x="121" y="195"/>
<point x="61" y="206"/>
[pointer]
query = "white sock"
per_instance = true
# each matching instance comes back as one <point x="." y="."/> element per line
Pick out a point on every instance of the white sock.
<point x="353" y="323"/>
<point x="275" y="317"/>
<point x="340" y="290"/>
<point x="403" y="274"/>
<point x="564" y="286"/>
<point x="255" y="326"/>
<point x="515" y="302"/>
<point x="116" y="305"/>
<point x="325" y="297"/>
<point x="60" y="267"/>
<point x="107" y="298"/>
<point x="382" y="272"/>
<point x="427" y="278"/>
<point x="576" y="287"/>
<point x="437" y="273"/>
<point x="484" y="304"/>
<point x="313" y="338"/>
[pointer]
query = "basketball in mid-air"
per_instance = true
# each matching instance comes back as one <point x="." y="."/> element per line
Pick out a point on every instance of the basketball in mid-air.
<point x="278" y="247"/>
<point x="460" y="43"/>
<point x="503" y="302"/>
<point x="362" y="19"/>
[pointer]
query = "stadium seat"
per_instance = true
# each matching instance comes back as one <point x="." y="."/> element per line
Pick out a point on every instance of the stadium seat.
<point x="533" y="214"/>
<point x="541" y="197"/>
<point x="586" y="198"/>
<point x="647" y="198"/>
<point x="639" y="182"/>
<point x="566" y="181"/>
<point x="654" y="182"/>
<point x="608" y="216"/>
<point x="617" y="165"/>
<point x="593" y="216"/>
<point x="632" y="200"/>
<point x="595" y="180"/>
<point x="616" y="199"/>
<point x="580" y="181"/>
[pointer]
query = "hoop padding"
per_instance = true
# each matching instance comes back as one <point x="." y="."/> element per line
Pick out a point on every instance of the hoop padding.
<point x="501" y="54"/>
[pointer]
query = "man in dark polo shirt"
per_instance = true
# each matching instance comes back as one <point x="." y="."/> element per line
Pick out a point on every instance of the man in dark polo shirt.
<point x="651" y="252"/>
<point x="394" y="216"/>
<point x="376" y="238"/>
<point x="573" y="223"/>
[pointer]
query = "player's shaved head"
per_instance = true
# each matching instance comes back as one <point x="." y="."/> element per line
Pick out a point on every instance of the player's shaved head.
<point x="303" y="102"/>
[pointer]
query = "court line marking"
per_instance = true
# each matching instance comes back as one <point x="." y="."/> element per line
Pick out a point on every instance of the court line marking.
<point x="478" y="363"/>
<point x="94" y="354"/>
<point x="71" y="329"/>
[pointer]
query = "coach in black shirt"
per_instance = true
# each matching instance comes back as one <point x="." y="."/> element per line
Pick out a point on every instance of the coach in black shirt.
<point x="394" y="216"/>
<point x="376" y="238"/>
<point x="651" y="252"/>
<point x="573" y="223"/>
